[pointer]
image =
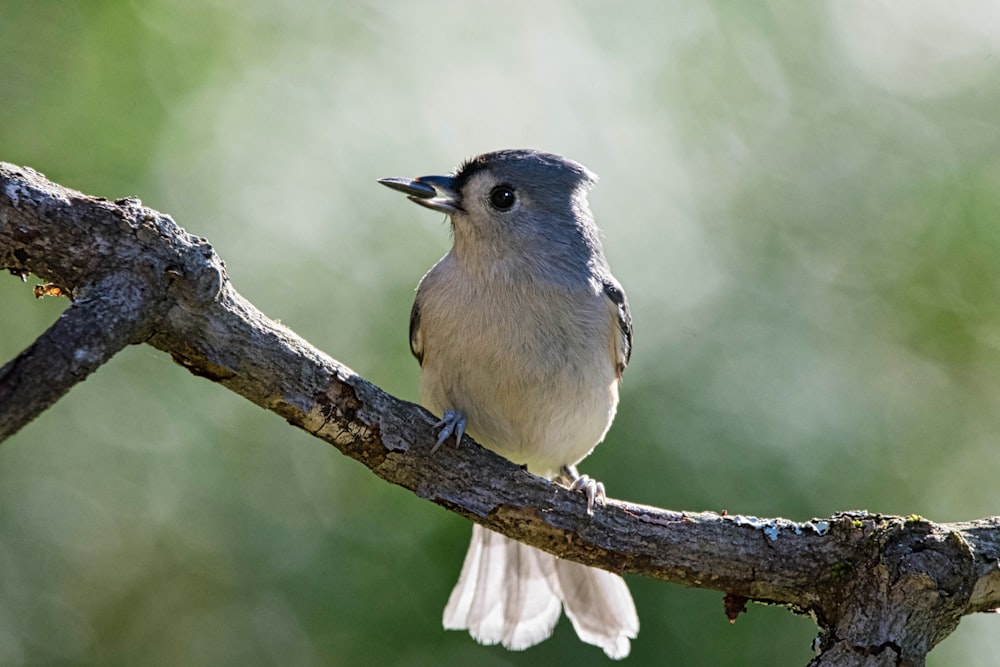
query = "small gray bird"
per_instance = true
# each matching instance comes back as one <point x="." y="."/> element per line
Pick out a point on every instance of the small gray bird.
<point x="522" y="335"/>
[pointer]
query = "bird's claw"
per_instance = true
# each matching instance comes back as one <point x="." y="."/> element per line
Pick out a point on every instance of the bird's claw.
<point x="452" y="422"/>
<point x="593" y="489"/>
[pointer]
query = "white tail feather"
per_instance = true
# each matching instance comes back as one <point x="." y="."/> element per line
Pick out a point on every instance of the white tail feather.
<point x="511" y="593"/>
<point x="600" y="607"/>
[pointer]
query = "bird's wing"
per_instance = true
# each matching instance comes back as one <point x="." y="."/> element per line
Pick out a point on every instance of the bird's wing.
<point x="622" y="345"/>
<point x="416" y="340"/>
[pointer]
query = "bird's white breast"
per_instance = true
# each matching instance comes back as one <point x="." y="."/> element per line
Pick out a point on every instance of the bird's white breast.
<point x="536" y="383"/>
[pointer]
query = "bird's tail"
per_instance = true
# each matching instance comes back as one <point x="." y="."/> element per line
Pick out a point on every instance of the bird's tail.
<point x="511" y="593"/>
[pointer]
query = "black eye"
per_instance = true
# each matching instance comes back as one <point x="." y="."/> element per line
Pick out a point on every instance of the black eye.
<point x="502" y="197"/>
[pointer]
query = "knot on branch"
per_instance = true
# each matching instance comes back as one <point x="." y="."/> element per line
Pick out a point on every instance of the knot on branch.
<point x="908" y="593"/>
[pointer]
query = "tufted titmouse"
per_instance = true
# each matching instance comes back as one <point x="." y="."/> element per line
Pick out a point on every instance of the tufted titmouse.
<point x="522" y="335"/>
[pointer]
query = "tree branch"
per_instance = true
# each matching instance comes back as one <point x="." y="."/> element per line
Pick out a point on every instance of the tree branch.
<point x="884" y="590"/>
<point x="101" y="321"/>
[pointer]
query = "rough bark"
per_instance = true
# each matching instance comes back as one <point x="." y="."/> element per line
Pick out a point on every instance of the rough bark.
<point x="884" y="590"/>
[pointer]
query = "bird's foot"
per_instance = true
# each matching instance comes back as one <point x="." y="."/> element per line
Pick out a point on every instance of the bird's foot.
<point x="452" y="422"/>
<point x="593" y="489"/>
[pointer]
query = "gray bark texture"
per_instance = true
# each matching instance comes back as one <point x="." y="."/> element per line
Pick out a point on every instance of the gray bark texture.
<point x="884" y="590"/>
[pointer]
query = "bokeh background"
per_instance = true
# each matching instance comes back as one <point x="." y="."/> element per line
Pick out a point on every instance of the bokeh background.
<point x="801" y="199"/>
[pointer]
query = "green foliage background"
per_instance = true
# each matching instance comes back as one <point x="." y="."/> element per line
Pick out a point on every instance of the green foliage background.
<point x="801" y="199"/>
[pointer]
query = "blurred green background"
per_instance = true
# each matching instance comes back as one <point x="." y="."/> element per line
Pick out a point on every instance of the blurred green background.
<point x="801" y="199"/>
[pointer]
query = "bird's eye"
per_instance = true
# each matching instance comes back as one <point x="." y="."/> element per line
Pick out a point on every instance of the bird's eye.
<point x="502" y="197"/>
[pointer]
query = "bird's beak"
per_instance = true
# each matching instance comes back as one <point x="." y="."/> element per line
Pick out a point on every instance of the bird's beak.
<point x="433" y="192"/>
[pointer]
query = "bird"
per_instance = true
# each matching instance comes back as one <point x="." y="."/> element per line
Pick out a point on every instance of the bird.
<point x="522" y="334"/>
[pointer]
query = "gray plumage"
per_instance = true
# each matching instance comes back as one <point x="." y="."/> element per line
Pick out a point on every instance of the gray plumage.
<point x="522" y="335"/>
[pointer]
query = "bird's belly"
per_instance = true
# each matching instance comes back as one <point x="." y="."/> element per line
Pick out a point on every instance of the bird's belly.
<point x="539" y="402"/>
